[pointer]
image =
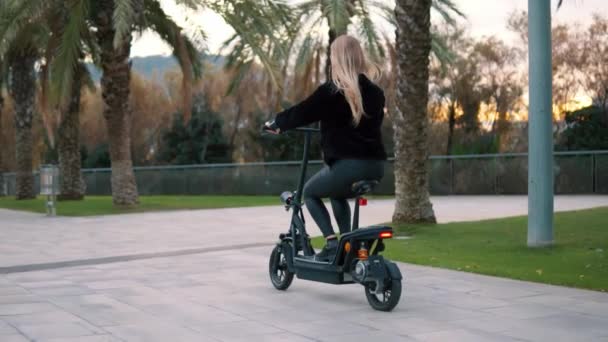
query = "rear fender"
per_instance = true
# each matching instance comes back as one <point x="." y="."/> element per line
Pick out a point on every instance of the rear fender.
<point x="393" y="270"/>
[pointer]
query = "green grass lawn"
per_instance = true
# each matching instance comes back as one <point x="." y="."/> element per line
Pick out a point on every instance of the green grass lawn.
<point x="102" y="205"/>
<point x="498" y="247"/>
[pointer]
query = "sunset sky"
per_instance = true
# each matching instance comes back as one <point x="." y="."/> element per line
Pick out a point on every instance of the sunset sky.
<point x="484" y="17"/>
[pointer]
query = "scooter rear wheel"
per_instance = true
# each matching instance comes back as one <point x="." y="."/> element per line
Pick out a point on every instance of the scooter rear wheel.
<point x="280" y="276"/>
<point x="388" y="299"/>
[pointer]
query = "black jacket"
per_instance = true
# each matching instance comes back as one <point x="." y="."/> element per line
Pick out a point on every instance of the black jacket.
<point x="340" y="139"/>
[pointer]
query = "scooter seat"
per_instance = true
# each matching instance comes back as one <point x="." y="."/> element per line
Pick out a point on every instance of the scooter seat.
<point x="363" y="187"/>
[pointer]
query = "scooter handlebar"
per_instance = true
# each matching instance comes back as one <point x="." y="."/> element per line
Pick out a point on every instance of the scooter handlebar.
<point x="271" y="127"/>
<point x="307" y="129"/>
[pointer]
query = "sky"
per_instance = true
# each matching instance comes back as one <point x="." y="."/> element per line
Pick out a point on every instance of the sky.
<point x="484" y="18"/>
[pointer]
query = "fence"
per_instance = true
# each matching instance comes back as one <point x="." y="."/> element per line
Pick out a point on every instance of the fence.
<point x="579" y="172"/>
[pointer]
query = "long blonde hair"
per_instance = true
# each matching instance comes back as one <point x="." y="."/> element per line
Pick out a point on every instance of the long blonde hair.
<point x="348" y="61"/>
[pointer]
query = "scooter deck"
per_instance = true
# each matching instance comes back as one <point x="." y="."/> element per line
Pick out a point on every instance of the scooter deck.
<point x="308" y="268"/>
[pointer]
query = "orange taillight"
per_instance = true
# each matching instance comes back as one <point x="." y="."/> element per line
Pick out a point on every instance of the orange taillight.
<point x="347" y="247"/>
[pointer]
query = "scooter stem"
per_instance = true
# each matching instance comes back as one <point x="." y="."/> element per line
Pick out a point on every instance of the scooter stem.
<point x="304" y="166"/>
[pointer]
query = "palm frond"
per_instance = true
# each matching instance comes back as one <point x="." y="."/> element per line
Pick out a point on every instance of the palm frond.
<point x="15" y="15"/>
<point x="337" y="13"/>
<point x="306" y="51"/>
<point x="259" y="34"/>
<point x="70" y="49"/>
<point x="54" y="20"/>
<point x="123" y="18"/>
<point x="184" y="50"/>
<point x="447" y="9"/>
<point x="441" y="51"/>
<point x="187" y="55"/>
<point x="369" y="33"/>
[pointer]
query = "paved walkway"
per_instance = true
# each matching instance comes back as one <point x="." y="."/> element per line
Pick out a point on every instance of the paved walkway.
<point x="33" y="238"/>
<point x="187" y="280"/>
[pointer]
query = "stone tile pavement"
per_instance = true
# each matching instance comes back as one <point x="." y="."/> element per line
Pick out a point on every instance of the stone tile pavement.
<point x="226" y="296"/>
<point x="217" y="291"/>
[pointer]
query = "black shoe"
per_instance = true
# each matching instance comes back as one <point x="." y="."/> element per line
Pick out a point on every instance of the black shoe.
<point x="328" y="252"/>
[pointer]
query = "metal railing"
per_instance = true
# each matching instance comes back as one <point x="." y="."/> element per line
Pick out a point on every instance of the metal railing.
<point x="576" y="172"/>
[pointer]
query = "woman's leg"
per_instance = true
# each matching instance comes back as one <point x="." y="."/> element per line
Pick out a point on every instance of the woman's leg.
<point x="314" y="190"/>
<point x="336" y="182"/>
<point x="346" y="172"/>
<point x="341" y="210"/>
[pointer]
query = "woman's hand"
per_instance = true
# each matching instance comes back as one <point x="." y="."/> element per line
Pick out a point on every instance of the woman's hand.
<point x="271" y="127"/>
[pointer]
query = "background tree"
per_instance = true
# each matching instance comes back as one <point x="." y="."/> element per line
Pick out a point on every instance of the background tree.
<point x="501" y="83"/>
<point x="21" y="53"/>
<point x="199" y="141"/>
<point x="591" y="50"/>
<point x="565" y="85"/>
<point x="456" y="85"/>
<point x="587" y="129"/>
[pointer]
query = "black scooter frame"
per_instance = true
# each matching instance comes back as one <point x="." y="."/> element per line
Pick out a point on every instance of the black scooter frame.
<point x="338" y="271"/>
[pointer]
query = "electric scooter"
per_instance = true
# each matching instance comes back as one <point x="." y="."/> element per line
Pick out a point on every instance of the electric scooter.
<point x="357" y="259"/>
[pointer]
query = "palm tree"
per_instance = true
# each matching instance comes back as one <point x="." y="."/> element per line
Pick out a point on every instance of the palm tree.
<point x="108" y="25"/>
<point x="43" y="30"/>
<point x="22" y="87"/>
<point x="411" y="119"/>
<point x="114" y="21"/>
<point x="68" y="139"/>
<point x="68" y="116"/>
<point x="19" y="47"/>
<point x="21" y="56"/>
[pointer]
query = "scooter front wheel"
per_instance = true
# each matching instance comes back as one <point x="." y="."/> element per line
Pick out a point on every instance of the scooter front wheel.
<point x="280" y="276"/>
<point x="385" y="300"/>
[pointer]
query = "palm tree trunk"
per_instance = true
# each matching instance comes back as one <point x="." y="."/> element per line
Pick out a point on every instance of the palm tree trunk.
<point x="23" y="91"/>
<point x="235" y="129"/>
<point x="503" y="123"/>
<point x="332" y="36"/>
<point x="187" y="78"/>
<point x="451" y="124"/>
<point x="115" y="83"/>
<point x="68" y="144"/>
<point x="411" y="120"/>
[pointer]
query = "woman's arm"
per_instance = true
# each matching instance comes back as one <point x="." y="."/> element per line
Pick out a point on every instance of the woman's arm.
<point x="305" y="112"/>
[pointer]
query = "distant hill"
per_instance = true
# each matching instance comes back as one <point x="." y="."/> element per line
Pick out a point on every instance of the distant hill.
<point x="157" y="65"/>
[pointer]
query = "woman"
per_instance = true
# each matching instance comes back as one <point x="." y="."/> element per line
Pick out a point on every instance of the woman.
<point x="351" y="109"/>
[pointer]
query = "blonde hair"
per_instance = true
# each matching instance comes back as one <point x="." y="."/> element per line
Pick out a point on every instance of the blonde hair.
<point x="348" y="61"/>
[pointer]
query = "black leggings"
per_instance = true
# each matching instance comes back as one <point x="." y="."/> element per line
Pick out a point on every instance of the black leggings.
<point x="335" y="182"/>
